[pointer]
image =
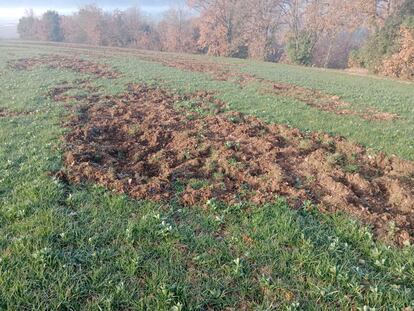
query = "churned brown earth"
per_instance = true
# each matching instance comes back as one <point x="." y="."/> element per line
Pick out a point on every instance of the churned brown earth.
<point x="328" y="103"/>
<point x="3" y="113"/>
<point x="146" y="143"/>
<point x="219" y="71"/>
<point x="58" y="92"/>
<point x="63" y="62"/>
<point x="9" y="113"/>
<point x="142" y="143"/>
<point x="314" y="98"/>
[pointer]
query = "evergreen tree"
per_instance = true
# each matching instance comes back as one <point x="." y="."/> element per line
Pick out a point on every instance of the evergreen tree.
<point x="52" y="28"/>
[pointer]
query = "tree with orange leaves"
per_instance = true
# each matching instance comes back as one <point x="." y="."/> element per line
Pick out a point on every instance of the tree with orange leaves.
<point x="220" y="25"/>
<point x="263" y="21"/>
<point x="177" y="32"/>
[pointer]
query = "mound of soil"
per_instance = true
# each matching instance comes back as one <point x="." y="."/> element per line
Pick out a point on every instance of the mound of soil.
<point x="139" y="143"/>
<point x="68" y="63"/>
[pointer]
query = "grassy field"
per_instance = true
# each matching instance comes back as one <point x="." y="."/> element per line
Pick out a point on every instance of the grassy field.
<point x="82" y="247"/>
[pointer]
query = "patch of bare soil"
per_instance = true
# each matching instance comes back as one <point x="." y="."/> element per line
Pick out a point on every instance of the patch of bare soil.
<point x="59" y="92"/>
<point x="329" y="103"/>
<point x="140" y="144"/>
<point x="311" y="97"/>
<point x="63" y="62"/>
<point x="220" y="72"/>
<point x="8" y="113"/>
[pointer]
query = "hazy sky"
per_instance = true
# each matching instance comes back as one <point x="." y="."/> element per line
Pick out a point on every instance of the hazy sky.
<point x="13" y="9"/>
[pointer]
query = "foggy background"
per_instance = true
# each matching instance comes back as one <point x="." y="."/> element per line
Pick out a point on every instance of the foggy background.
<point x="11" y="11"/>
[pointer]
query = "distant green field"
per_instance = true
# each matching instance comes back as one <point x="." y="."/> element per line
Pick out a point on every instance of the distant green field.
<point x="67" y="247"/>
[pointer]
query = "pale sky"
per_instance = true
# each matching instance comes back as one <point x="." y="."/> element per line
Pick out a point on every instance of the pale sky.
<point x="12" y="10"/>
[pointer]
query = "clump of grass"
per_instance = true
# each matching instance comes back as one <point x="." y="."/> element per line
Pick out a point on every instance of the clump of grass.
<point x="218" y="176"/>
<point x="235" y="145"/>
<point x="349" y="164"/>
<point x="198" y="184"/>
<point x="336" y="159"/>
<point x="134" y="130"/>
<point x="305" y="144"/>
<point x="236" y="119"/>
<point x="351" y="168"/>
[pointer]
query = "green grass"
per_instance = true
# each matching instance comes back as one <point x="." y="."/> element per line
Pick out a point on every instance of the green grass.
<point x="68" y="247"/>
<point x="391" y="137"/>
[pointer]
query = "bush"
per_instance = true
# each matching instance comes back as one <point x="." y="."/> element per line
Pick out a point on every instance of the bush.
<point x="299" y="49"/>
<point x="384" y="42"/>
<point x="401" y="63"/>
<point x="52" y="28"/>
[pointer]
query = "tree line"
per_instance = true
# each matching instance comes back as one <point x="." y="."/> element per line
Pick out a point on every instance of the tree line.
<point x="324" y="33"/>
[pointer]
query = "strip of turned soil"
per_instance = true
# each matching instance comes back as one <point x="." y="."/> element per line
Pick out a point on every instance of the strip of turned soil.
<point x="141" y="144"/>
<point x="222" y="72"/>
<point x="9" y="113"/>
<point x="63" y="62"/>
<point x="314" y="98"/>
